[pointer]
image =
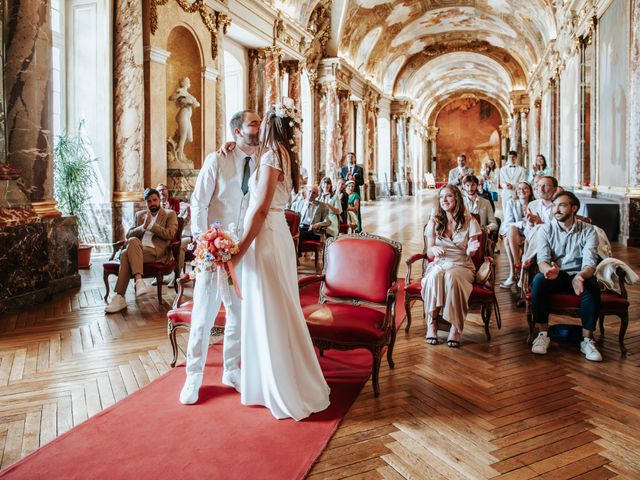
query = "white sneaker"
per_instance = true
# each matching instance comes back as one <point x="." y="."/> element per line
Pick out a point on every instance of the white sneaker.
<point x="508" y="283"/>
<point x="189" y="392"/>
<point x="541" y="344"/>
<point x="142" y="288"/>
<point x="117" y="304"/>
<point x="232" y="379"/>
<point x="588" y="347"/>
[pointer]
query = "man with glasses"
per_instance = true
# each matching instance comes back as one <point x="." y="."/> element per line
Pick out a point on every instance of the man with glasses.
<point x="567" y="255"/>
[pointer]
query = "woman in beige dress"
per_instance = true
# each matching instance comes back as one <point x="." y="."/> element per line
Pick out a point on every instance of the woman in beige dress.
<point x="452" y="236"/>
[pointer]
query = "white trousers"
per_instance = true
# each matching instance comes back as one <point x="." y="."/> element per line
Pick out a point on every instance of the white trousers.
<point x="206" y="305"/>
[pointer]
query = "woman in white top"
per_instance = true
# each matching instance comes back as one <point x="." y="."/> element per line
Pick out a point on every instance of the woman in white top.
<point x="279" y="367"/>
<point x="513" y="229"/>
<point x="490" y="174"/>
<point x="332" y="201"/>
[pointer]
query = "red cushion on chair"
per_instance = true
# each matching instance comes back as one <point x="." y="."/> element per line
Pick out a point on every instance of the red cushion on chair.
<point x="344" y="322"/>
<point x="182" y="314"/>
<point x="310" y="245"/>
<point x="111" y="267"/>
<point x="414" y="288"/>
<point x="345" y="260"/>
<point x="481" y="294"/>
<point x="609" y="301"/>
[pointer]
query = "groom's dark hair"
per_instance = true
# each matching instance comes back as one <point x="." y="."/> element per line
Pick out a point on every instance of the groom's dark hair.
<point x="236" y="121"/>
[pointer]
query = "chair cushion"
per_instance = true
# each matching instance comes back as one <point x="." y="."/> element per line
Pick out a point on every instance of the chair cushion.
<point x="344" y="323"/>
<point x="310" y="245"/>
<point x="609" y="301"/>
<point x="182" y="314"/>
<point x="148" y="269"/>
<point x="481" y="294"/>
<point x="413" y="289"/>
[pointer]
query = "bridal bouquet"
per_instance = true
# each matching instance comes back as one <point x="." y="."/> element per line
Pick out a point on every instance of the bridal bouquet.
<point x="213" y="251"/>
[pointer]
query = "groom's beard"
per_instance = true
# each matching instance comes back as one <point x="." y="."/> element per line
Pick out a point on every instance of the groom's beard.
<point x="252" y="140"/>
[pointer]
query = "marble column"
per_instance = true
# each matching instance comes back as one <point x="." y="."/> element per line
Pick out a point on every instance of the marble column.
<point x="256" y="77"/>
<point x="214" y="128"/>
<point x="634" y="100"/>
<point x="504" y="144"/>
<point x="156" y="107"/>
<point x="344" y="105"/>
<point x="28" y="94"/>
<point x="524" y="145"/>
<point x="515" y="132"/>
<point x="332" y="132"/>
<point x="128" y="77"/>
<point x="534" y="130"/>
<point x="272" y="59"/>
<point x="292" y="68"/>
<point x="394" y="152"/>
<point x="402" y="143"/>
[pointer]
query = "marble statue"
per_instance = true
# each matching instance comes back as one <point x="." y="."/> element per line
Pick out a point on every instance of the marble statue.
<point x="184" y="133"/>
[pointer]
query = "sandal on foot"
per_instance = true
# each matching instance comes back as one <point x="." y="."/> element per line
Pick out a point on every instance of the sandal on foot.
<point x="453" y="343"/>
<point x="432" y="340"/>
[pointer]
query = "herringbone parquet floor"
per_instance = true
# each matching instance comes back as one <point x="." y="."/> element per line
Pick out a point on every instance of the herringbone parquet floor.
<point x="486" y="410"/>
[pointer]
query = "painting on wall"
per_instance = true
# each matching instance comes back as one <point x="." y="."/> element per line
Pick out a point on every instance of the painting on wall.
<point x="468" y="126"/>
<point x="613" y="44"/>
<point x="569" y="122"/>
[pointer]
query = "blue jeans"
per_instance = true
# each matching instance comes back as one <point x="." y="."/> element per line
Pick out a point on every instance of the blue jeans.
<point x="541" y="290"/>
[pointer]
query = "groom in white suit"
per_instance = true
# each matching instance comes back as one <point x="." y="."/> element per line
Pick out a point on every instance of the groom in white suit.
<point x="220" y="194"/>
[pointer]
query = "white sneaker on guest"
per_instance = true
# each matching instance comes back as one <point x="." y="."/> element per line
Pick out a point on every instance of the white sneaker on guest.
<point x="142" y="288"/>
<point x="588" y="347"/>
<point x="189" y="392"/>
<point x="541" y="344"/>
<point x="508" y="283"/>
<point x="232" y="379"/>
<point x="117" y="304"/>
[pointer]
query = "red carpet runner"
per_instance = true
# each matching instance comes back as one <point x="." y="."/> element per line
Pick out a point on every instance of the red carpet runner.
<point x="149" y="435"/>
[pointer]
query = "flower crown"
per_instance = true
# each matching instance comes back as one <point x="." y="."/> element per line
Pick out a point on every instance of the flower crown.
<point x="287" y="110"/>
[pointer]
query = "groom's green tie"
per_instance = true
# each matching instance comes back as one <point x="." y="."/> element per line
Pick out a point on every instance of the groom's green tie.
<point x="245" y="175"/>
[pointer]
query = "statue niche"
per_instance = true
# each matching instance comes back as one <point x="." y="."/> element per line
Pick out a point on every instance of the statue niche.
<point x="176" y="158"/>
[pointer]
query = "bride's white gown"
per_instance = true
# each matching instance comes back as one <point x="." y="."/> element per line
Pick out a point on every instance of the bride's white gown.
<point x="279" y="367"/>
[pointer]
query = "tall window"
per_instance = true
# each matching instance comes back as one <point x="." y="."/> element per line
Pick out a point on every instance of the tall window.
<point x="82" y="80"/>
<point x="233" y="88"/>
<point x="307" y="125"/>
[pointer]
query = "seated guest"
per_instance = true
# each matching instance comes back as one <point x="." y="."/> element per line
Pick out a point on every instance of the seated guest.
<point x="332" y="202"/>
<point x="513" y="229"/>
<point x="148" y="241"/>
<point x="541" y="210"/>
<point x="353" y="209"/>
<point x="343" y="196"/>
<point x="452" y="236"/>
<point x="167" y="202"/>
<point x="457" y="174"/>
<point x="477" y="205"/>
<point x="314" y="216"/>
<point x="539" y="169"/>
<point x="567" y="258"/>
<point x="489" y="175"/>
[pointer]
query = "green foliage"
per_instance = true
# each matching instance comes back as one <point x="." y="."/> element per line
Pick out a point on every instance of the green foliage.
<point x="73" y="176"/>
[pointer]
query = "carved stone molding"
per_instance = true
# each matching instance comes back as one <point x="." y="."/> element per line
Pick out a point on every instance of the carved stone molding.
<point x="212" y="19"/>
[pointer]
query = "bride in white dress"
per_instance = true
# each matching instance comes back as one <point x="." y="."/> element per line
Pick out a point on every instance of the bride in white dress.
<point x="279" y="366"/>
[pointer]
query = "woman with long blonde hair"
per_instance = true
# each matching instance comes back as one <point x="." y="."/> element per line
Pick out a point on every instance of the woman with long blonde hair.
<point x="279" y="367"/>
<point x="452" y="237"/>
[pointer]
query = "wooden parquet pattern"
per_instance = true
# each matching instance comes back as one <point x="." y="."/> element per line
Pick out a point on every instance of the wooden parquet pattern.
<point x="486" y="410"/>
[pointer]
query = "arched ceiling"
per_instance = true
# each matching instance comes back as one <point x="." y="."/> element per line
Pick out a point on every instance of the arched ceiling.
<point x="428" y="49"/>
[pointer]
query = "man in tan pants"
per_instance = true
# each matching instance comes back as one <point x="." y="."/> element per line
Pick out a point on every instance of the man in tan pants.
<point x="148" y="241"/>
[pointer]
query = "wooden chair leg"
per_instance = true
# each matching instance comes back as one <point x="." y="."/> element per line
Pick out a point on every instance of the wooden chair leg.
<point x="159" y="279"/>
<point x="530" y="322"/>
<point x="174" y="343"/>
<point x="601" y="324"/>
<point x="407" y="310"/>
<point x="486" y="319"/>
<point x="390" y="349"/>
<point x="624" y="323"/>
<point x="375" y="373"/>
<point x="105" y="277"/>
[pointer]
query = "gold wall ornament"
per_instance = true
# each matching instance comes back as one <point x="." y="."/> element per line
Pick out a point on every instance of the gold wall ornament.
<point x="212" y="19"/>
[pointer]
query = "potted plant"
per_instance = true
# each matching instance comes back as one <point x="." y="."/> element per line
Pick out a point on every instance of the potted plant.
<point x="73" y="177"/>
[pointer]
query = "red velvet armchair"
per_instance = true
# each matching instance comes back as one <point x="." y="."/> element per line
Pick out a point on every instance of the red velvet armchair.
<point x="482" y="294"/>
<point x="180" y="317"/>
<point x="358" y="291"/>
<point x="568" y="304"/>
<point x="315" y="246"/>
<point x="155" y="270"/>
<point x="293" y="220"/>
